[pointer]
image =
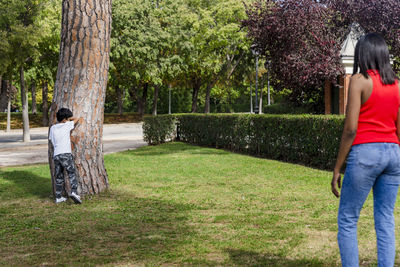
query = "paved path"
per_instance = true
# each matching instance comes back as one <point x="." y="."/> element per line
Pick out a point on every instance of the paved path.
<point x="116" y="137"/>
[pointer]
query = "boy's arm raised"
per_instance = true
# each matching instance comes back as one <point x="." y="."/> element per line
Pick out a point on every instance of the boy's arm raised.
<point x="75" y="120"/>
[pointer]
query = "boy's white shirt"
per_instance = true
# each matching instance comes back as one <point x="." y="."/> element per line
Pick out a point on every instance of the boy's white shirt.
<point x="60" y="137"/>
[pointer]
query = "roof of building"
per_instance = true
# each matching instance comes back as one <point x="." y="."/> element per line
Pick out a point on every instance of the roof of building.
<point x="352" y="38"/>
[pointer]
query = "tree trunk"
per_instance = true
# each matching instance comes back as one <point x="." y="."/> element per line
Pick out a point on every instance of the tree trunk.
<point x="195" y="94"/>
<point x="169" y="99"/>
<point x="45" y="106"/>
<point x="25" y="115"/>
<point x="33" y="92"/>
<point x="120" y="100"/>
<point x="143" y="100"/>
<point x="260" y="106"/>
<point x="155" y="100"/>
<point x="3" y="94"/>
<point x="9" y="114"/>
<point x="7" y="87"/>
<point x="207" y="103"/>
<point x="81" y="86"/>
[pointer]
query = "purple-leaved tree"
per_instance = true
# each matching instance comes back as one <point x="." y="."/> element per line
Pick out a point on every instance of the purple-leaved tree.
<point x="303" y="38"/>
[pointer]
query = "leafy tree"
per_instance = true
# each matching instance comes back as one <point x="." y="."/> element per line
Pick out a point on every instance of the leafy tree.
<point x="303" y="38"/>
<point x="21" y="31"/>
<point x="44" y="68"/>
<point x="300" y="42"/>
<point x="373" y="16"/>
<point x="218" y="45"/>
<point x="147" y="39"/>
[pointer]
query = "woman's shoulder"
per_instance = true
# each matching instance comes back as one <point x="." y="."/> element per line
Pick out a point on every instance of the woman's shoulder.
<point x="359" y="77"/>
<point x="359" y="80"/>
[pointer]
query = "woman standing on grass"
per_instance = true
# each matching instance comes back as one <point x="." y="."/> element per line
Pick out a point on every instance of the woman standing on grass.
<point x="371" y="141"/>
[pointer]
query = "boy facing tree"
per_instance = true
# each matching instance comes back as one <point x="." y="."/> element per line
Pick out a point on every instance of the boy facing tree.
<point x="60" y="139"/>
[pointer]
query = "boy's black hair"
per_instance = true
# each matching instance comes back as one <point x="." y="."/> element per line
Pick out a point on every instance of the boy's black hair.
<point x="372" y="53"/>
<point x="63" y="113"/>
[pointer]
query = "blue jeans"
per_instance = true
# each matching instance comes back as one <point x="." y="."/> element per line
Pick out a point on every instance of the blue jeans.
<point x="376" y="166"/>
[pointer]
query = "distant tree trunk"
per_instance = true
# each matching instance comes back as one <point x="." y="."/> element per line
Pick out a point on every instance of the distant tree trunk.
<point x="260" y="107"/>
<point x="132" y="91"/>
<point x="120" y="100"/>
<point x="81" y="86"/>
<point x="207" y="102"/>
<point x="25" y="115"/>
<point x="196" y="88"/>
<point x="3" y="94"/>
<point x="143" y="100"/>
<point x="9" y="114"/>
<point x="45" y="106"/>
<point x="155" y="100"/>
<point x="8" y="89"/>
<point x="33" y="92"/>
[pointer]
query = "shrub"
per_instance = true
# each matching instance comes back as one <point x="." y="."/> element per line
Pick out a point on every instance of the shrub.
<point x="159" y="129"/>
<point x="311" y="140"/>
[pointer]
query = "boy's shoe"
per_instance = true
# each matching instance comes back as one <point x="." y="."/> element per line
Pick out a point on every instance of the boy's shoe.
<point x="60" y="199"/>
<point x="76" y="198"/>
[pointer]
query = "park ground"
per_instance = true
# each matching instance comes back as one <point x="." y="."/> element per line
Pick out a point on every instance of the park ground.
<point x="179" y="205"/>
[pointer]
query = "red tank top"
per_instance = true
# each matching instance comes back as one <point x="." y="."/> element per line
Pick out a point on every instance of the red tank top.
<point x="377" y="122"/>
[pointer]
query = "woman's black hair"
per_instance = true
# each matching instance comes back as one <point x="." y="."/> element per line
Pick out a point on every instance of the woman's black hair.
<point x="63" y="113"/>
<point x="372" y="53"/>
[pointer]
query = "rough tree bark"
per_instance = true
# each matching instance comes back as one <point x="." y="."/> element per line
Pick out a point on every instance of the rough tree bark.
<point x="25" y="116"/>
<point x="81" y="86"/>
<point x="45" y="106"/>
<point x="33" y="92"/>
<point x="155" y="100"/>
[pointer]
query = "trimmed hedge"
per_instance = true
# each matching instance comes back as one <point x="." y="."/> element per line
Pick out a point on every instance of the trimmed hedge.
<point x="159" y="129"/>
<point x="312" y="140"/>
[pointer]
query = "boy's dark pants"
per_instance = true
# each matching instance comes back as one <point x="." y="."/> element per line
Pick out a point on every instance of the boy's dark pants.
<point x="61" y="162"/>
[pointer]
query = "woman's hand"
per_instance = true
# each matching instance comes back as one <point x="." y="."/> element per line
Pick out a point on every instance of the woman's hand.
<point x="336" y="183"/>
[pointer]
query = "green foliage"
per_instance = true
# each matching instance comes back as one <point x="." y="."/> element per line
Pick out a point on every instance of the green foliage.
<point x="44" y="68"/>
<point x="20" y="31"/>
<point x="175" y="43"/>
<point x="158" y="129"/>
<point x="285" y="108"/>
<point x="312" y="140"/>
<point x="147" y="41"/>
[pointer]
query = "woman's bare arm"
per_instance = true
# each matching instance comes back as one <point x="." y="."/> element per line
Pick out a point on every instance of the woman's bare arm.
<point x="357" y="84"/>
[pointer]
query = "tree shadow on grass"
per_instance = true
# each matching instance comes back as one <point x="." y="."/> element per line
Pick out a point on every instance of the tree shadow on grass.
<point x="24" y="183"/>
<point x="249" y="258"/>
<point x="112" y="228"/>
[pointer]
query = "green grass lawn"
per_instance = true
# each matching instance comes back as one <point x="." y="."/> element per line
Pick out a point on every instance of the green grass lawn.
<point x="179" y="205"/>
